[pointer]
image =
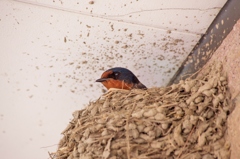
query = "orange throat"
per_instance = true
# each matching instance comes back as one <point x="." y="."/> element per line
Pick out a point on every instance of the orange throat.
<point x="111" y="83"/>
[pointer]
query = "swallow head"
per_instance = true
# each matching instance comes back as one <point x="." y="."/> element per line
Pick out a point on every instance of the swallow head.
<point x="120" y="78"/>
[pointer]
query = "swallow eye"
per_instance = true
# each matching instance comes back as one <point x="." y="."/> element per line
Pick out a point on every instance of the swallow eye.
<point x="115" y="75"/>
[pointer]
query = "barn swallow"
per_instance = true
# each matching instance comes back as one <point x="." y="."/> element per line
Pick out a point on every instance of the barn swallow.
<point x="120" y="78"/>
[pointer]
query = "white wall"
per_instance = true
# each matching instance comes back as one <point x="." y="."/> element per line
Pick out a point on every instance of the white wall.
<point x="53" y="51"/>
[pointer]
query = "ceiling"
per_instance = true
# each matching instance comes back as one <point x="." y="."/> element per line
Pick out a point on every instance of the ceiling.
<point x="53" y="51"/>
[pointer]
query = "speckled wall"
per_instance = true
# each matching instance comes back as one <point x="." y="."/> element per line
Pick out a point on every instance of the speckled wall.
<point x="53" y="51"/>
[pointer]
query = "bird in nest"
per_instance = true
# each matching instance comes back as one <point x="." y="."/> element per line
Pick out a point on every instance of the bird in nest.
<point x="120" y="78"/>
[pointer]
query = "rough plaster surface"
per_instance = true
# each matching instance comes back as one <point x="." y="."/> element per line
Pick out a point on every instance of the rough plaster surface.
<point x="229" y="54"/>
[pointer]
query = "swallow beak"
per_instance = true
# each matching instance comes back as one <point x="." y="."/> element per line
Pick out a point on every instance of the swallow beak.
<point x="102" y="79"/>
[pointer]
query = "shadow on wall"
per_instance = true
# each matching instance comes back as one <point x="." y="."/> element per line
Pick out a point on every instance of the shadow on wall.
<point x="209" y="43"/>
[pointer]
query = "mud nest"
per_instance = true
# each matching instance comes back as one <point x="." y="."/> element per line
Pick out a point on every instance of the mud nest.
<point x="185" y="120"/>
